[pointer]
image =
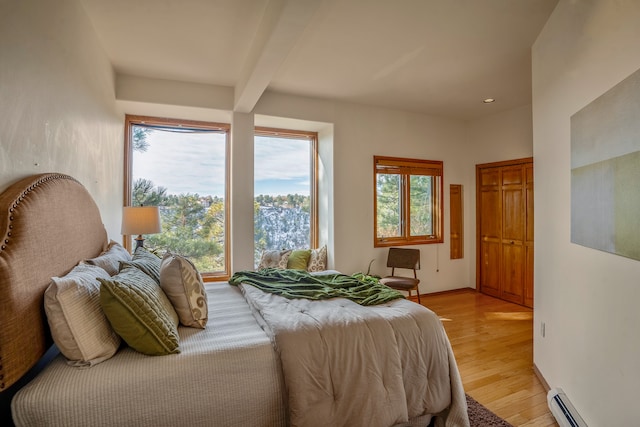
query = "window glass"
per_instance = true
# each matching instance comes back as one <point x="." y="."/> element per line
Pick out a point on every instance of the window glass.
<point x="284" y="190"/>
<point x="388" y="193"/>
<point x="181" y="167"/>
<point x="408" y="201"/>
<point x="421" y="197"/>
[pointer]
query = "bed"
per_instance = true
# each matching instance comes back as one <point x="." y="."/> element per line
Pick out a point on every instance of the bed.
<point x="249" y="366"/>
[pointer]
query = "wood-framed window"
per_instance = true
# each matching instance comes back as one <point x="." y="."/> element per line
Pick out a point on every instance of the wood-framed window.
<point x="285" y="190"/>
<point x="182" y="167"/>
<point x="408" y="204"/>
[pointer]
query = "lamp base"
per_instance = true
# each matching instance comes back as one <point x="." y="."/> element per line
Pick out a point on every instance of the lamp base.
<point x="139" y="241"/>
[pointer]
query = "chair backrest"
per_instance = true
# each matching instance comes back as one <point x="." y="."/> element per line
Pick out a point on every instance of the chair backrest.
<point x="404" y="258"/>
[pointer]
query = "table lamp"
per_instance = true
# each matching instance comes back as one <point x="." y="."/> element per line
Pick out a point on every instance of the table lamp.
<point x="140" y="220"/>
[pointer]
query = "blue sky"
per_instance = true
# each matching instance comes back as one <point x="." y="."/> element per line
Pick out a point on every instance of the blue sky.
<point x="194" y="163"/>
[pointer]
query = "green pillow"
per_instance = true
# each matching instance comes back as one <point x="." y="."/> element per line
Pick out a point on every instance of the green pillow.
<point x="146" y="261"/>
<point x="140" y="312"/>
<point x="299" y="259"/>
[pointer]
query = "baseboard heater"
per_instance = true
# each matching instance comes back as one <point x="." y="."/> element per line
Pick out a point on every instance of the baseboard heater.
<point x="562" y="409"/>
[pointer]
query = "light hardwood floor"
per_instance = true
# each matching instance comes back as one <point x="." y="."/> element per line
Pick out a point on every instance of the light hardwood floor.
<point x="493" y="344"/>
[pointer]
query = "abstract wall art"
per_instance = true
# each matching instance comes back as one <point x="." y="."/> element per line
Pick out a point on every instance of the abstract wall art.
<point x="605" y="171"/>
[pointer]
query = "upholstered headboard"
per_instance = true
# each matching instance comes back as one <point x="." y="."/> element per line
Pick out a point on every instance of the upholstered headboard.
<point x="48" y="223"/>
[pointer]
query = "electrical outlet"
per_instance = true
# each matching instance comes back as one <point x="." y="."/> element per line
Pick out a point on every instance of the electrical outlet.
<point x="542" y="329"/>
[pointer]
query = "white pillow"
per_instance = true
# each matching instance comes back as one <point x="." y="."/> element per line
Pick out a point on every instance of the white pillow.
<point x="182" y="283"/>
<point x="78" y="325"/>
<point x="274" y="259"/>
<point x="318" y="259"/>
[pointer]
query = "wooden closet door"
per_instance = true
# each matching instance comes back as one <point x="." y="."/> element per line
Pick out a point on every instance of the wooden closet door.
<point x="513" y="234"/>
<point x="489" y="225"/>
<point x="504" y="221"/>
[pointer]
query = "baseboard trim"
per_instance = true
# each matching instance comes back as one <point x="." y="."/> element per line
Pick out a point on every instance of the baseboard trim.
<point x="453" y="291"/>
<point x="449" y="291"/>
<point x="544" y="382"/>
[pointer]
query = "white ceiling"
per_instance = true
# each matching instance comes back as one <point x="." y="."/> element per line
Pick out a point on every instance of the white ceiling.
<point x="440" y="57"/>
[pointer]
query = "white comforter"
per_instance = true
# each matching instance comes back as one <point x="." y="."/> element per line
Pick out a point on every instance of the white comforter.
<point x="348" y="365"/>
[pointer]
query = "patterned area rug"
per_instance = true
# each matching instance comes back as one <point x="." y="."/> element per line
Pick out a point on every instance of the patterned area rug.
<point x="479" y="416"/>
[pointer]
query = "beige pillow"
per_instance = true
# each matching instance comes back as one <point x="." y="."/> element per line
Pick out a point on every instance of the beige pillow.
<point x="274" y="259"/>
<point x="140" y="312"/>
<point x="182" y="283"/>
<point x="318" y="259"/>
<point x="78" y="325"/>
<point x="110" y="259"/>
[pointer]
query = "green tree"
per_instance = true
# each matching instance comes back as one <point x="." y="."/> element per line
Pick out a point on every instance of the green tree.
<point x="190" y="229"/>
<point x="146" y="194"/>
<point x="388" y="204"/>
<point x="213" y="222"/>
<point x="187" y="212"/>
<point x="420" y="199"/>
<point x="139" y="138"/>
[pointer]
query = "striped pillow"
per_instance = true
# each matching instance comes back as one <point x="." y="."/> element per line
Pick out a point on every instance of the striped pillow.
<point x="140" y="312"/>
<point x="110" y="259"/>
<point x="78" y="325"/>
<point x="146" y="261"/>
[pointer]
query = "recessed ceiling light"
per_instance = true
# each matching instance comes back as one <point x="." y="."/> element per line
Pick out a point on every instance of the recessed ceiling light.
<point x="488" y="100"/>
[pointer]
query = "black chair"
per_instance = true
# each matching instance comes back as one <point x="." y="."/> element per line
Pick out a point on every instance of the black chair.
<point x="408" y="259"/>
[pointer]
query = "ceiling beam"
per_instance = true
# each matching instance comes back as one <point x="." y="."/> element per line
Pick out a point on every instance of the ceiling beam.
<point x="280" y="28"/>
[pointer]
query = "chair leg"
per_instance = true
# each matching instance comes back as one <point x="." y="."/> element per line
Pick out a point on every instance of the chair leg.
<point x="418" y="292"/>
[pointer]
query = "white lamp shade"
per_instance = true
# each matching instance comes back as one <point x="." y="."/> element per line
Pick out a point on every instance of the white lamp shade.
<point x="140" y="220"/>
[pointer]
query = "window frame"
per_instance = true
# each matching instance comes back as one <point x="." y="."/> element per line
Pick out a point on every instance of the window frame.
<point x="132" y="120"/>
<point x="406" y="167"/>
<point x="313" y="191"/>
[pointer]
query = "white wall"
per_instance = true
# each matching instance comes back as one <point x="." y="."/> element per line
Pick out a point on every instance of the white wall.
<point x="241" y="180"/>
<point x="359" y="133"/>
<point x="57" y="111"/>
<point x="350" y="136"/>
<point x="501" y="136"/>
<point x="66" y="115"/>
<point x="587" y="298"/>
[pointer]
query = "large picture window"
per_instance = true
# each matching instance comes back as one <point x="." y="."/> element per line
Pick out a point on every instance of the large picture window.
<point x="285" y="187"/>
<point x="181" y="167"/>
<point x="408" y="201"/>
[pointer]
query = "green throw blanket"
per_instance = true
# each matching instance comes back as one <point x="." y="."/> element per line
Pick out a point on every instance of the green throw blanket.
<point x="359" y="288"/>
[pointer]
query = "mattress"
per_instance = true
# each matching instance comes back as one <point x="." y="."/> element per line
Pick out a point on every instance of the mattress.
<point x="226" y="375"/>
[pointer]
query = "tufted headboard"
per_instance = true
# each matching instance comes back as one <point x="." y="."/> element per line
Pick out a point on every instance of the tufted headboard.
<point x="48" y="223"/>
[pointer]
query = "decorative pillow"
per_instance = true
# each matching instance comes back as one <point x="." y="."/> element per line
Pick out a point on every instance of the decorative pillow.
<point x="78" y="325"/>
<point x="110" y="259"/>
<point x="140" y="312"/>
<point x="146" y="261"/>
<point x="182" y="283"/>
<point x="318" y="259"/>
<point x="299" y="259"/>
<point x="274" y="259"/>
